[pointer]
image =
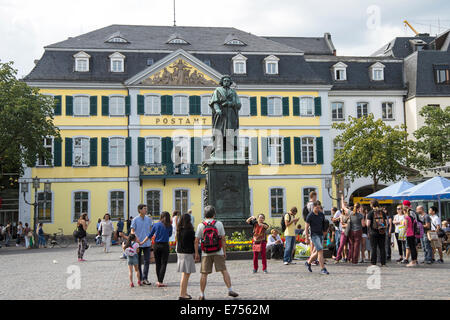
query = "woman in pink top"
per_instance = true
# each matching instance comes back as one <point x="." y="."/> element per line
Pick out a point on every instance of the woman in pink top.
<point x="410" y="238"/>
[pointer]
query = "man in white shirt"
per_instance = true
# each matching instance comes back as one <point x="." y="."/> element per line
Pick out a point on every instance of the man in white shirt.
<point x="436" y="226"/>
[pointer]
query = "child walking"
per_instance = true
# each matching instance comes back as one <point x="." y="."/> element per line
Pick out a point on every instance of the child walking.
<point x="130" y="248"/>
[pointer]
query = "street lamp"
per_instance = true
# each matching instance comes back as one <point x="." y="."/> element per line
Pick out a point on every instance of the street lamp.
<point x="340" y="191"/>
<point x="36" y="185"/>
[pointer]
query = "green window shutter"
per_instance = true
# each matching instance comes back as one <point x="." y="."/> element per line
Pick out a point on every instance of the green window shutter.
<point x="196" y="150"/>
<point x="253" y="107"/>
<point x="264" y="150"/>
<point x="167" y="145"/>
<point x="287" y="150"/>
<point x="318" y="106"/>
<point x="263" y="106"/>
<point x="167" y="105"/>
<point x="140" y="104"/>
<point x="57" y="152"/>
<point x="128" y="151"/>
<point x="141" y="151"/>
<point x="68" y="152"/>
<point x="254" y="146"/>
<point x="319" y="150"/>
<point x="105" y="152"/>
<point x="127" y="105"/>
<point x="93" y="105"/>
<point x="285" y="106"/>
<point x="192" y="150"/>
<point x="194" y="105"/>
<point x="297" y="150"/>
<point x="58" y="105"/>
<point x="93" y="152"/>
<point x="105" y="106"/>
<point x="296" y="106"/>
<point x="69" y="106"/>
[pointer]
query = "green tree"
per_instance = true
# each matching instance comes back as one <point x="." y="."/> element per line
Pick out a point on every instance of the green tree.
<point x="432" y="144"/>
<point x="371" y="149"/>
<point x="26" y="118"/>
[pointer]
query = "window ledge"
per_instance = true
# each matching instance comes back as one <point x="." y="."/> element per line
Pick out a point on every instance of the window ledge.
<point x="117" y="165"/>
<point x="82" y="115"/>
<point x="308" y="115"/>
<point x="117" y="115"/>
<point x="43" y="167"/>
<point x="337" y="119"/>
<point x="388" y="119"/>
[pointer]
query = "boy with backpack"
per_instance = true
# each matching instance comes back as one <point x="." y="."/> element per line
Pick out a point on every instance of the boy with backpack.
<point x="211" y="234"/>
<point x="288" y="223"/>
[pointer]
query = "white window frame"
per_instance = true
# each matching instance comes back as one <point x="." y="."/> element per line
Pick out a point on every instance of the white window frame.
<point x="357" y="107"/>
<point x="271" y="146"/>
<point x="111" y="98"/>
<point x="271" y="60"/>
<point x="187" y="145"/>
<point x="81" y="57"/>
<point x="73" y="204"/>
<point x="241" y="111"/>
<point x="77" y="97"/>
<point x="313" y="151"/>
<point x="204" y="146"/>
<point x="117" y="57"/>
<point x="188" y="199"/>
<point x="239" y="58"/>
<point x="52" y="150"/>
<point x="82" y="154"/>
<point x="270" y="202"/>
<point x="52" y="203"/>
<point x="301" y="109"/>
<point x="337" y="147"/>
<point x="124" y="204"/>
<point x="377" y="67"/>
<point x="155" y="97"/>
<point x="242" y="153"/>
<point x="338" y="67"/>
<point x="343" y="113"/>
<point x="275" y="98"/>
<point x="118" y="153"/>
<point x="147" y="149"/>
<point x="385" y="103"/>
<point x="160" y="200"/>
<point x="203" y="107"/>
<point x="177" y="41"/>
<point x="182" y="97"/>
<point x="316" y="189"/>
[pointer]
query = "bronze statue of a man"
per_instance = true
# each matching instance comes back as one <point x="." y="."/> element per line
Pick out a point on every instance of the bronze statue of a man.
<point x="225" y="106"/>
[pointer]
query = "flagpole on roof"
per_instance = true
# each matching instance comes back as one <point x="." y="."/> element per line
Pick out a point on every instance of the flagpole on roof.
<point x="174" y="21"/>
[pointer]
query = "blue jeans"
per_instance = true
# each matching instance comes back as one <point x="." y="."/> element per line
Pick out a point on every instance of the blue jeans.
<point x="426" y="245"/>
<point x="317" y="240"/>
<point x="41" y="241"/>
<point x="290" y="243"/>
<point x="146" y="260"/>
<point x="337" y="237"/>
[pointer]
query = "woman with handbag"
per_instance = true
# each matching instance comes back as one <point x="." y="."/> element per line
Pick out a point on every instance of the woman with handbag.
<point x="259" y="241"/>
<point x="400" y="234"/>
<point x="436" y="234"/>
<point x="410" y="237"/>
<point x="345" y="223"/>
<point x="82" y="226"/>
<point x="27" y="235"/>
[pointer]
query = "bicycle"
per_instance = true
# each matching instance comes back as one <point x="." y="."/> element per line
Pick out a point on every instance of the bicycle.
<point x="58" y="239"/>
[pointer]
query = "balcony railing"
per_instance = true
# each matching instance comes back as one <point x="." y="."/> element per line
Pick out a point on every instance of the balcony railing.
<point x="172" y="171"/>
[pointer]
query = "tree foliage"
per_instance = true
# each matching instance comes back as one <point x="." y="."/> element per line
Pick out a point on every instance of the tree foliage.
<point x="432" y="144"/>
<point x="26" y="118"/>
<point x="371" y="149"/>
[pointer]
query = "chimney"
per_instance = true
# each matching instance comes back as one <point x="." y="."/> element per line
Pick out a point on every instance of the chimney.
<point x="329" y="42"/>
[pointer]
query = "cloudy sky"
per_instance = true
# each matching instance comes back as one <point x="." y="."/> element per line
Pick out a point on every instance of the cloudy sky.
<point x="357" y="27"/>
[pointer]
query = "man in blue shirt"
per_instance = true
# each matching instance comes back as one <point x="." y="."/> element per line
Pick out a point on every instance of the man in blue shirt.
<point x="141" y="227"/>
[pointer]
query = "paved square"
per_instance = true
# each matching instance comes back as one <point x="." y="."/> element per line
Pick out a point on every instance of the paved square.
<point x="31" y="274"/>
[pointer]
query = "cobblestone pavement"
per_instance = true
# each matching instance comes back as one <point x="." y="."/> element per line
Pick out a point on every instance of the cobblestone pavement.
<point x="33" y="274"/>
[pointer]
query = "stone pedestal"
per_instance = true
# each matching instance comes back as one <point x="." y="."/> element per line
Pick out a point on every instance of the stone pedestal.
<point x="228" y="191"/>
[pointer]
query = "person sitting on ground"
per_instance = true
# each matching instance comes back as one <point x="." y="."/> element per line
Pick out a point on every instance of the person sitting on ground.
<point x="274" y="245"/>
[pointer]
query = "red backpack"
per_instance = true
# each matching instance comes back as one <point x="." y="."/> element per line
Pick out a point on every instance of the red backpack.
<point x="211" y="241"/>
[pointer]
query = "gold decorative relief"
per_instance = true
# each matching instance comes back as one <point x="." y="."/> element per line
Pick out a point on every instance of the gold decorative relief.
<point x="179" y="73"/>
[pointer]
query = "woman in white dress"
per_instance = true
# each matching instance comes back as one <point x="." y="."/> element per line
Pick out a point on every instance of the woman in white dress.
<point x="175" y="217"/>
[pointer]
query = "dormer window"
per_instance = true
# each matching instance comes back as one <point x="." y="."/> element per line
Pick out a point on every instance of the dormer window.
<point x="377" y="72"/>
<point x="340" y="71"/>
<point x="271" y="64"/>
<point x="81" y="62"/>
<point x="178" y="41"/>
<point x="117" y="62"/>
<point x="239" y="64"/>
<point x="232" y="40"/>
<point x="116" y="38"/>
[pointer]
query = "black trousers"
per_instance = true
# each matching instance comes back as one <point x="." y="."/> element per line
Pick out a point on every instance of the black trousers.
<point x="412" y="246"/>
<point x="378" y="241"/>
<point x="161" y="250"/>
